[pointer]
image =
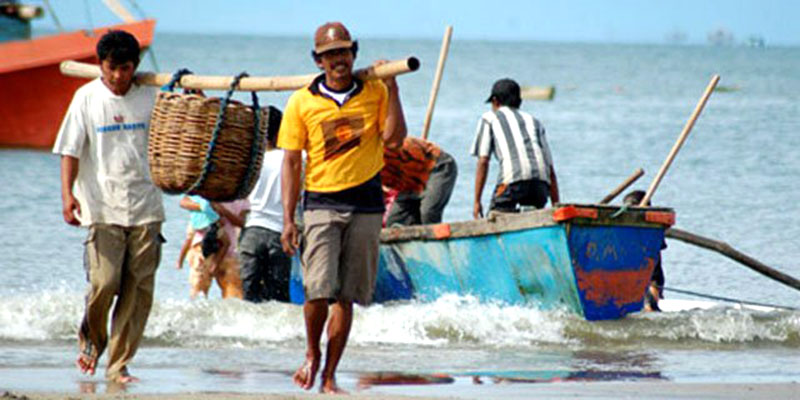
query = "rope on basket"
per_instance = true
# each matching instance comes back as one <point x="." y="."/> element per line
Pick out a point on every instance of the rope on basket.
<point x="254" y="147"/>
<point x="207" y="165"/>
<point x="176" y="77"/>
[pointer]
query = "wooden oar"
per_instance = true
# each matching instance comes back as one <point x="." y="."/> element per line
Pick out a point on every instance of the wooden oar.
<point x="727" y="250"/>
<point x="275" y="83"/>
<point x="682" y="138"/>
<point x="437" y="80"/>
<point x="624" y="185"/>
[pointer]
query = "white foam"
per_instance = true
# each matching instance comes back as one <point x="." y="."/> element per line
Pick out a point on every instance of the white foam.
<point x="451" y="320"/>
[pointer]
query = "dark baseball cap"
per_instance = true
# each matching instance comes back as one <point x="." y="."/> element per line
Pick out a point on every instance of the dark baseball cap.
<point x="506" y="91"/>
<point x="332" y="36"/>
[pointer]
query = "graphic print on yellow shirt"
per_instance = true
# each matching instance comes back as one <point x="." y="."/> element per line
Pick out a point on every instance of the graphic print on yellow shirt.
<point x="342" y="135"/>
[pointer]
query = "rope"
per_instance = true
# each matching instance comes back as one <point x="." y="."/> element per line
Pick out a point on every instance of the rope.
<point x="254" y="147"/>
<point x="88" y="14"/>
<point x="207" y="165"/>
<point x="176" y="78"/>
<point x="728" y="299"/>
<point x="138" y="9"/>
<point x="52" y="13"/>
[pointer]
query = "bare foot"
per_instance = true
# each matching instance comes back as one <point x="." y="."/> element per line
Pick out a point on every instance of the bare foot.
<point x="329" y="386"/>
<point x="304" y="377"/>
<point x="86" y="363"/>
<point x="125" y="377"/>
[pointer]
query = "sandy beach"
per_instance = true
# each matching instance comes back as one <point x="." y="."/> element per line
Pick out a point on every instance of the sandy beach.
<point x="657" y="390"/>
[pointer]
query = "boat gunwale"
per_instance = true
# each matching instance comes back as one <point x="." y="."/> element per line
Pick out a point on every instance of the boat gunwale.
<point x="498" y="223"/>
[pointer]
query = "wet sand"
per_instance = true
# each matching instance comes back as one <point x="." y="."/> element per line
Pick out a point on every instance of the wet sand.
<point x="565" y="390"/>
<point x="181" y="384"/>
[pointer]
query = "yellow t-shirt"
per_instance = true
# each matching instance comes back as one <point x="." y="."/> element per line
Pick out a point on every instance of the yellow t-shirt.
<point x="343" y="145"/>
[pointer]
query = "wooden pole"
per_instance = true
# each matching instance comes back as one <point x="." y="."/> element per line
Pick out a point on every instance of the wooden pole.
<point x="730" y="252"/>
<point x="624" y="185"/>
<point x="682" y="138"/>
<point x="275" y="83"/>
<point x="448" y="32"/>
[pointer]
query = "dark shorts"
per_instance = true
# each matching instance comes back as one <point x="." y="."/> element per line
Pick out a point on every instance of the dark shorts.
<point x="508" y="198"/>
<point x="264" y="268"/>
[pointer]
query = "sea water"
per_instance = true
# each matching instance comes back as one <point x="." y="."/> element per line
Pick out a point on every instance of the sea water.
<point x="616" y="108"/>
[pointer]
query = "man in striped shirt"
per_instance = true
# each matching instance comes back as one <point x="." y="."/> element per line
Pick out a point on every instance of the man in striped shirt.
<point x="517" y="139"/>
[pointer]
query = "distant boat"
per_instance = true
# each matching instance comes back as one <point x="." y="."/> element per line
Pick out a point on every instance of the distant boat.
<point x="538" y="92"/>
<point x="591" y="260"/>
<point x="35" y="95"/>
<point x="720" y="37"/>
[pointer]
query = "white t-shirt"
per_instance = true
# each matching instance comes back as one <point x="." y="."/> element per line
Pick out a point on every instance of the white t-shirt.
<point x="108" y="134"/>
<point x="266" y="210"/>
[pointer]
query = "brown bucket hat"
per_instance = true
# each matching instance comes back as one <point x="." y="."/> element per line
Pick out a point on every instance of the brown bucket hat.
<point x="331" y="36"/>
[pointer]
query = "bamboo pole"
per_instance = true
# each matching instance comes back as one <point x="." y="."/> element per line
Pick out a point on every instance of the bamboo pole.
<point x="726" y="250"/>
<point x="624" y="185"/>
<point x="682" y="138"/>
<point x="275" y="83"/>
<point x="448" y="32"/>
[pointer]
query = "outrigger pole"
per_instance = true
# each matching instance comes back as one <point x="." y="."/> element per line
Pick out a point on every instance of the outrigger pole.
<point x="250" y="84"/>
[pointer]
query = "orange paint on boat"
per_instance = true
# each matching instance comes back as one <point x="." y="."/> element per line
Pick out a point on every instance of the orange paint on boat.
<point x="622" y="287"/>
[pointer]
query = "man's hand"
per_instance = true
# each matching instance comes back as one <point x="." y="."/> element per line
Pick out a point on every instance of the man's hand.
<point x="290" y="239"/>
<point x="477" y="210"/>
<point x="71" y="210"/>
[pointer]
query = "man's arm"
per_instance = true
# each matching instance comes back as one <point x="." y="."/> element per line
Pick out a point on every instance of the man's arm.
<point x="394" y="130"/>
<point x="480" y="180"/>
<point x="71" y="209"/>
<point x="290" y="193"/>
<point x="554" y="195"/>
<point x="234" y="219"/>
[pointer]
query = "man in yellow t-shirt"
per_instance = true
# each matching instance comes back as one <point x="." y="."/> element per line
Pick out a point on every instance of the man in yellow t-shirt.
<point x="342" y="124"/>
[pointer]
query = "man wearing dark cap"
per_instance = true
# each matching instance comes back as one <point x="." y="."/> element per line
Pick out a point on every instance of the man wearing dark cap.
<point x="342" y="123"/>
<point x="526" y="176"/>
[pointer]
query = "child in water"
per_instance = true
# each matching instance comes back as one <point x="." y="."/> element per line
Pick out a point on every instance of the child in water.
<point x="204" y="222"/>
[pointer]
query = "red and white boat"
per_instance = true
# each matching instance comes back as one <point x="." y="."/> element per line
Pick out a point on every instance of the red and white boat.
<point x="34" y="95"/>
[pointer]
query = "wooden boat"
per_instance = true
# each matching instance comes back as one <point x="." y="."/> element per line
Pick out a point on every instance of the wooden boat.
<point x="35" y="95"/>
<point x="593" y="260"/>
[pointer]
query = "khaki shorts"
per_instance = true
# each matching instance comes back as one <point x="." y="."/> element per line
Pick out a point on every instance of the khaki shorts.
<point x="340" y="255"/>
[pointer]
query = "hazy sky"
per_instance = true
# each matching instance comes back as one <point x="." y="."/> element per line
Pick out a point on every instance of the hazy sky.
<point x="561" y="20"/>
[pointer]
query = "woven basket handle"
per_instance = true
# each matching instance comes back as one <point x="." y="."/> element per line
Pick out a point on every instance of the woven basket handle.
<point x="176" y="77"/>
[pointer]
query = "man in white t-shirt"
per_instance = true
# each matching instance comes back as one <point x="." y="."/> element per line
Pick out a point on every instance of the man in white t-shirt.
<point x="106" y="187"/>
<point x="265" y="267"/>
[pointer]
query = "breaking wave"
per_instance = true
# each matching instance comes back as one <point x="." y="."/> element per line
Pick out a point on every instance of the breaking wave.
<point x="52" y="316"/>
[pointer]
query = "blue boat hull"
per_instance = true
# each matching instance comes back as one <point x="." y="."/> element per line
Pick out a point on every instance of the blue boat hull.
<point x="597" y="270"/>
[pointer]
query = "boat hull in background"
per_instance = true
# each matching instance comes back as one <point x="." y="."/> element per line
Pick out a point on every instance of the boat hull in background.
<point x="34" y="95"/>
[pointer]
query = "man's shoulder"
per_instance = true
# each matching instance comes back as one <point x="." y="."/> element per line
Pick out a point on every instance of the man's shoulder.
<point x="145" y="90"/>
<point x="89" y="89"/>
<point x="489" y="116"/>
<point x="300" y="96"/>
<point x="373" y="84"/>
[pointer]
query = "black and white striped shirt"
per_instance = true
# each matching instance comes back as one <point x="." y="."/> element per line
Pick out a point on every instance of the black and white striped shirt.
<point x="518" y="141"/>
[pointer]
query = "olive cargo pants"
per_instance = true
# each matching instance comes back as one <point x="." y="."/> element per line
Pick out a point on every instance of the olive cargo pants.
<point x="122" y="262"/>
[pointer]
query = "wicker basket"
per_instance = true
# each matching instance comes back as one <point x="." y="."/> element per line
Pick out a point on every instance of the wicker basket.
<point x="183" y="156"/>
